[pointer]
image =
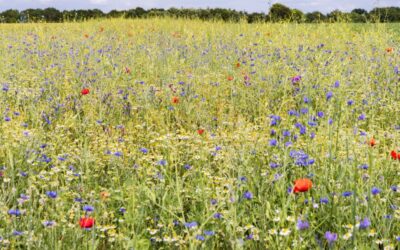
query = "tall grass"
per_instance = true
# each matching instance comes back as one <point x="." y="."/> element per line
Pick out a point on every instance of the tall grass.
<point x="127" y="146"/>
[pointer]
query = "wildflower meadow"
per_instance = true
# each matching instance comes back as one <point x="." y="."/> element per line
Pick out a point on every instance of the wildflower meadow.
<point x="167" y="133"/>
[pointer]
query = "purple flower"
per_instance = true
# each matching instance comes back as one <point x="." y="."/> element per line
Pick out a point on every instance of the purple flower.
<point x="361" y="117"/>
<point x="49" y="223"/>
<point x="218" y="216"/>
<point x="192" y="224"/>
<point x="248" y="195"/>
<point x="17" y="233"/>
<point x="306" y="100"/>
<point x="14" y="212"/>
<point x="330" y="237"/>
<point x="394" y="188"/>
<point x="350" y="102"/>
<point x="88" y="208"/>
<point x="302" y="224"/>
<point x="364" y="224"/>
<point x="329" y="95"/>
<point x="144" y="150"/>
<point x="296" y="79"/>
<point x="320" y="114"/>
<point x="51" y="194"/>
<point x="324" y="200"/>
<point x="273" y="165"/>
<point x="337" y="84"/>
<point x="347" y="194"/>
<point x="200" y="237"/>
<point x="162" y="162"/>
<point x="209" y="233"/>
<point x="273" y="142"/>
<point x="286" y="133"/>
<point x="375" y="191"/>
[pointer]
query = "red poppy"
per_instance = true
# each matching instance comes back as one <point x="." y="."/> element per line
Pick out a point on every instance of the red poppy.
<point x="230" y="78"/>
<point x="86" y="222"/>
<point x="85" y="91"/>
<point x="175" y="99"/>
<point x="200" y="131"/>
<point x="86" y="36"/>
<point x="302" y="185"/>
<point x="394" y="155"/>
<point x="237" y="65"/>
<point x="372" y="142"/>
<point x="389" y="50"/>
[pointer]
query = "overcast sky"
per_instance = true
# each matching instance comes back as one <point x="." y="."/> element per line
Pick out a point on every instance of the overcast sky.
<point x="247" y="5"/>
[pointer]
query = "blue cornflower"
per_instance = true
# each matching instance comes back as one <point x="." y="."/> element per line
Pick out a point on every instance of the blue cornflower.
<point x="324" y="200"/>
<point x="213" y="202"/>
<point x="361" y="117"/>
<point x="301" y="158"/>
<point x="162" y="162"/>
<point x="304" y="110"/>
<point x="330" y="237"/>
<point x="273" y="165"/>
<point x="363" y="166"/>
<point x="118" y="154"/>
<point x="347" y="193"/>
<point x="394" y="188"/>
<point x="330" y="121"/>
<point x="293" y="113"/>
<point x="329" y="95"/>
<point x="350" y="102"/>
<point x="337" y="84"/>
<point x="51" y="194"/>
<point x="286" y="133"/>
<point x="320" y="114"/>
<point x="306" y="100"/>
<point x="144" y="150"/>
<point x="200" y="237"/>
<point x="273" y="132"/>
<point x="187" y="167"/>
<point x="49" y="223"/>
<point x="88" y="208"/>
<point x="209" y="233"/>
<point x="273" y="142"/>
<point x="17" y="233"/>
<point x="14" y="212"/>
<point x="192" y="224"/>
<point x="217" y="216"/>
<point x="375" y="191"/>
<point x="365" y="223"/>
<point x="248" y="195"/>
<point x="302" y="224"/>
<point x="288" y="144"/>
<point x="122" y="210"/>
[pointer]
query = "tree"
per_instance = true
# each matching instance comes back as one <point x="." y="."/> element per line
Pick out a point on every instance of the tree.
<point x="360" y="11"/>
<point x="52" y="15"/>
<point x="297" y="16"/>
<point x="279" y="12"/>
<point x="10" y="16"/>
<point x="315" y="17"/>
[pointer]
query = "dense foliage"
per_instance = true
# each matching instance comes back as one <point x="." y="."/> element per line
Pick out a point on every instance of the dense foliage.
<point x="277" y="13"/>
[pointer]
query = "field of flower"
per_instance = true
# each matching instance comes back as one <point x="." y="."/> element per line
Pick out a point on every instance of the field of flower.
<point x="176" y="134"/>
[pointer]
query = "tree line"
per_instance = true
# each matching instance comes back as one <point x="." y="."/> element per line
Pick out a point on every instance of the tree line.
<point x="277" y="13"/>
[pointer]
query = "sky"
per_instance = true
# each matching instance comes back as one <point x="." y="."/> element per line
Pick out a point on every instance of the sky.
<point x="324" y="6"/>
